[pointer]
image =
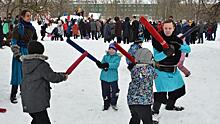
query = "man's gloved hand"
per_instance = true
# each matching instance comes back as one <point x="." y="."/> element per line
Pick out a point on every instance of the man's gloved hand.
<point x="169" y="51"/>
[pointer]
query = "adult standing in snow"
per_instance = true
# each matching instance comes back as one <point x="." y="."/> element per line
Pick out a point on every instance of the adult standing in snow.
<point x="118" y="29"/>
<point x="107" y="31"/>
<point x="135" y="27"/>
<point x="23" y="33"/>
<point x="169" y="81"/>
<point x="126" y="27"/>
<point x="93" y="29"/>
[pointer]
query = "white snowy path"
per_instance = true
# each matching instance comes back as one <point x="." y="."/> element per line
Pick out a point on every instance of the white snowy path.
<point x="78" y="100"/>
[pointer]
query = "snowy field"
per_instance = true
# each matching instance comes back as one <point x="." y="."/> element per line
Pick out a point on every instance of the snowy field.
<point x="78" y="100"/>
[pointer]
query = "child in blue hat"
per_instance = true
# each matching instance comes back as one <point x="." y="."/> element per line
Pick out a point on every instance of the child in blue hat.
<point x="109" y="77"/>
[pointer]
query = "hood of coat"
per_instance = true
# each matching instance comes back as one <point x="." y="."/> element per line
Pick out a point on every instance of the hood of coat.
<point x="32" y="61"/>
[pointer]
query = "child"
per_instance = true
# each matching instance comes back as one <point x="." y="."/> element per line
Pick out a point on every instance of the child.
<point x="132" y="50"/>
<point x="43" y="31"/>
<point x="35" y="86"/>
<point x="109" y="77"/>
<point x="75" y="30"/>
<point x="140" y="92"/>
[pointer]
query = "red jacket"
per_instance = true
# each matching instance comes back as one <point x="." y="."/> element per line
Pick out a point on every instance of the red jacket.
<point x="65" y="26"/>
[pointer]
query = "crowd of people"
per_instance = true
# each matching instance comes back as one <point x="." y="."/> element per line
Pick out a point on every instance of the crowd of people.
<point x="33" y="74"/>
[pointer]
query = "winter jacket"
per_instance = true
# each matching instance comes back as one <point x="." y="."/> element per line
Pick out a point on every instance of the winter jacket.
<point x="75" y="29"/>
<point x="65" y="26"/>
<point x="118" y="28"/>
<point x="168" y="81"/>
<point x="112" y="74"/>
<point x="135" y="27"/>
<point x="35" y="87"/>
<point x="107" y="31"/>
<point x="98" y="26"/>
<point x="22" y="34"/>
<point x="140" y="91"/>
<point x="60" y="30"/>
<point x="93" y="25"/>
<point x="126" y="29"/>
<point x="201" y="28"/>
<point x="5" y="27"/>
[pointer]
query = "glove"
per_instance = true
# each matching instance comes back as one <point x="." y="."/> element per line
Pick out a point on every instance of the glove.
<point x="169" y="51"/>
<point x="99" y="64"/>
<point x="15" y="49"/>
<point x="65" y="76"/>
<point x="105" y="66"/>
<point x="176" y="45"/>
<point x="16" y="52"/>
<point x="130" y="66"/>
<point x="18" y="57"/>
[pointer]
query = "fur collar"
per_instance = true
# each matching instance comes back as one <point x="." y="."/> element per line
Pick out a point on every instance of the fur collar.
<point x="33" y="56"/>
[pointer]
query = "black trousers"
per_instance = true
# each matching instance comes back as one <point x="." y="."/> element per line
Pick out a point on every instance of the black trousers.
<point x="119" y="39"/>
<point x="110" y="92"/>
<point x="40" y="117"/>
<point x="161" y="97"/>
<point x="14" y="90"/>
<point x="126" y="40"/>
<point x="140" y="112"/>
<point x="94" y="35"/>
<point x="200" y="38"/>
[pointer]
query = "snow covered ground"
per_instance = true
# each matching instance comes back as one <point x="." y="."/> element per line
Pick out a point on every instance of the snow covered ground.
<point x="78" y="100"/>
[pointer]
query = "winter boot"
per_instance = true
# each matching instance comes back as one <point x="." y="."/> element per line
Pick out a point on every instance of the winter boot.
<point x="105" y="108"/>
<point x="155" y="118"/>
<point x="171" y="106"/>
<point x="13" y="98"/>
<point x="174" y="108"/>
<point x="115" y="107"/>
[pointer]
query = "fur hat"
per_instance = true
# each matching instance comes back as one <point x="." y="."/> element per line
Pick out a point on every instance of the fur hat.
<point x="35" y="47"/>
<point x="144" y="56"/>
<point x="112" y="45"/>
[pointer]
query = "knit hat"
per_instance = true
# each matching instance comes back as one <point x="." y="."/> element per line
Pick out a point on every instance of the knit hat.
<point x="143" y="56"/>
<point x="112" y="45"/>
<point x="35" y="47"/>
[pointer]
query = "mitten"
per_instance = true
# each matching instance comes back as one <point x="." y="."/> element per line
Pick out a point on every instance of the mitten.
<point x="130" y="66"/>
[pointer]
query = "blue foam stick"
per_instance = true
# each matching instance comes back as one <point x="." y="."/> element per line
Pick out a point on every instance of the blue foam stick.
<point x="80" y="49"/>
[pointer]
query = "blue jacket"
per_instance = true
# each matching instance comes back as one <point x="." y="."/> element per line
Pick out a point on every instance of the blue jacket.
<point x="166" y="81"/>
<point x="112" y="73"/>
<point x="28" y="32"/>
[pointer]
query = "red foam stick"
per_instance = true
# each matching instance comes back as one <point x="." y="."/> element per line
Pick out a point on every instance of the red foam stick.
<point x="125" y="53"/>
<point x="2" y="110"/>
<point x="153" y="32"/>
<point x="76" y="63"/>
